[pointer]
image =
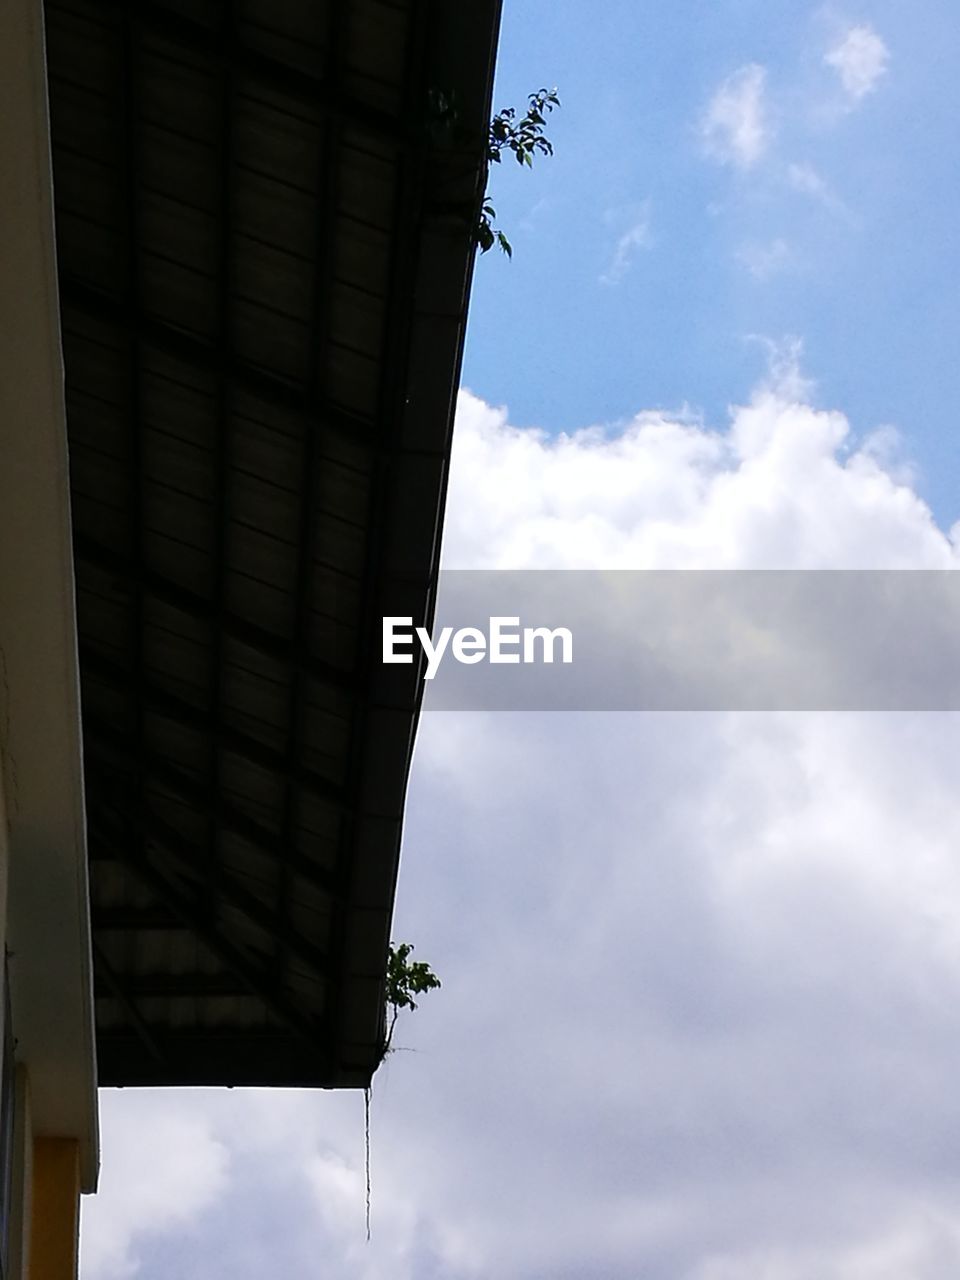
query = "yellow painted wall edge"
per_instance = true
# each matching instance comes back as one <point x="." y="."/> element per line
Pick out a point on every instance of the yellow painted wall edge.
<point x="55" y="1211"/>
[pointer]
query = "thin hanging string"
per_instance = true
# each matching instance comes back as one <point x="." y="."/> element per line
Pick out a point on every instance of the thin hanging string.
<point x="366" y="1133"/>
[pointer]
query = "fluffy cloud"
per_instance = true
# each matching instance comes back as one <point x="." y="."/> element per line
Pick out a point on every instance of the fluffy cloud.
<point x="700" y="972"/>
<point x="702" y="1023"/>
<point x="246" y="1183"/>
<point x="711" y="961"/>
<point x="636" y="238"/>
<point x="783" y="487"/>
<point x="162" y="1172"/>
<point x="860" y="59"/>
<point x="735" y="127"/>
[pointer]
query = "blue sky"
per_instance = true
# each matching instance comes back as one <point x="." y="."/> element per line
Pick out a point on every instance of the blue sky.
<point x="700" y="971"/>
<point x="840" y="231"/>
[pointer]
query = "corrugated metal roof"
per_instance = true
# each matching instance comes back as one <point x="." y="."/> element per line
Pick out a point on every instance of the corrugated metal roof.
<point x="264" y="252"/>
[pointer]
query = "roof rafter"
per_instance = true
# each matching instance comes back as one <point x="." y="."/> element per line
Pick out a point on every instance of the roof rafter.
<point x="195" y="606"/>
<point x="315" y="91"/>
<point x="209" y="357"/>
<point x="265" y="989"/>
<point x="222" y="736"/>
<point x="107" y="745"/>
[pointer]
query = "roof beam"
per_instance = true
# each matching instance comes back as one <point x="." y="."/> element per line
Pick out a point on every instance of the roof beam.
<point x="153" y="918"/>
<point x="247" y="1056"/>
<point x="293" y="82"/>
<point x="182" y="986"/>
<point x="310" y="502"/>
<point x="226" y="952"/>
<point x="105" y="745"/>
<point x="157" y="830"/>
<point x="228" y="36"/>
<point x="210" y="357"/>
<point x="203" y="610"/>
<point x="104" y="974"/>
<point x="222" y="736"/>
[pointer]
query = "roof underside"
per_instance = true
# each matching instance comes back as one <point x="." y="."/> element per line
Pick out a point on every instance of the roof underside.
<point x="264" y="249"/>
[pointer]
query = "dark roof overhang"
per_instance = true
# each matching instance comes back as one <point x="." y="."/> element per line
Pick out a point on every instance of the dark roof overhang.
<point x="265" y="240"/>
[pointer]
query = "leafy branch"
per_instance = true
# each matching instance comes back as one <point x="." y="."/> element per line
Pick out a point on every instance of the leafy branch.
<point x="406" y="978"/>
<point x="524" y="137"/>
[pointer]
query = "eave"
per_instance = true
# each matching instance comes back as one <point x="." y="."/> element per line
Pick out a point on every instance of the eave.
<point x="264" y="253"/>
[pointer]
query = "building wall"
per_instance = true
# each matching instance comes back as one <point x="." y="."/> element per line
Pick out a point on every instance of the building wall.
<point x="22" y="1188"/>
<point x="48" y="1107"/>
<point x="55" y="1209"/>
<point x="40" y="1180"/>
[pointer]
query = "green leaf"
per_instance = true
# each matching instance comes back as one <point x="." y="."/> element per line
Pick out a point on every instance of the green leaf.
<point x="404" y="979"/>
<point x="524" y="137"/>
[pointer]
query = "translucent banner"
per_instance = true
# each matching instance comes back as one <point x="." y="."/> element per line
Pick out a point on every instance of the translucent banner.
<point x="884" y="640"/>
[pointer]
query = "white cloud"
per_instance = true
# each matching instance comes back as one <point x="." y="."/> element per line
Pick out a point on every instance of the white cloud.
<point x="923" y="1243"/>
<point x="766" y="259"/>
<point x="533" y="218"/>
<point x="703" y="1004"/>
<point x="700" y="973"/>
<point x="163" y="1169"/>
<point x="860" y="59"/>
<point x="806" y="180"/>
<point x="735" y="127"/>
<point x="636" y="238"/>
<point x="785" y="377"/>
<point x="780" y="488"/>
<point x="247" y="1183"/>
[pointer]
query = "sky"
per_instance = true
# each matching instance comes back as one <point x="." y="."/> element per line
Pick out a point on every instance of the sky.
<point x="700" y="971"/>
<point x="729" y="172"/>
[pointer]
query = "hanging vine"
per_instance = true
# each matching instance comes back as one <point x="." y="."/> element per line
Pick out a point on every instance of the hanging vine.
<point x="406" y="978"/>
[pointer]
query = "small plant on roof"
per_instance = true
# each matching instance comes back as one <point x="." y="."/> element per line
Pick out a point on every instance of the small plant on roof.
<point x="406" y="978"/>
<point x="524" y="138"/>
